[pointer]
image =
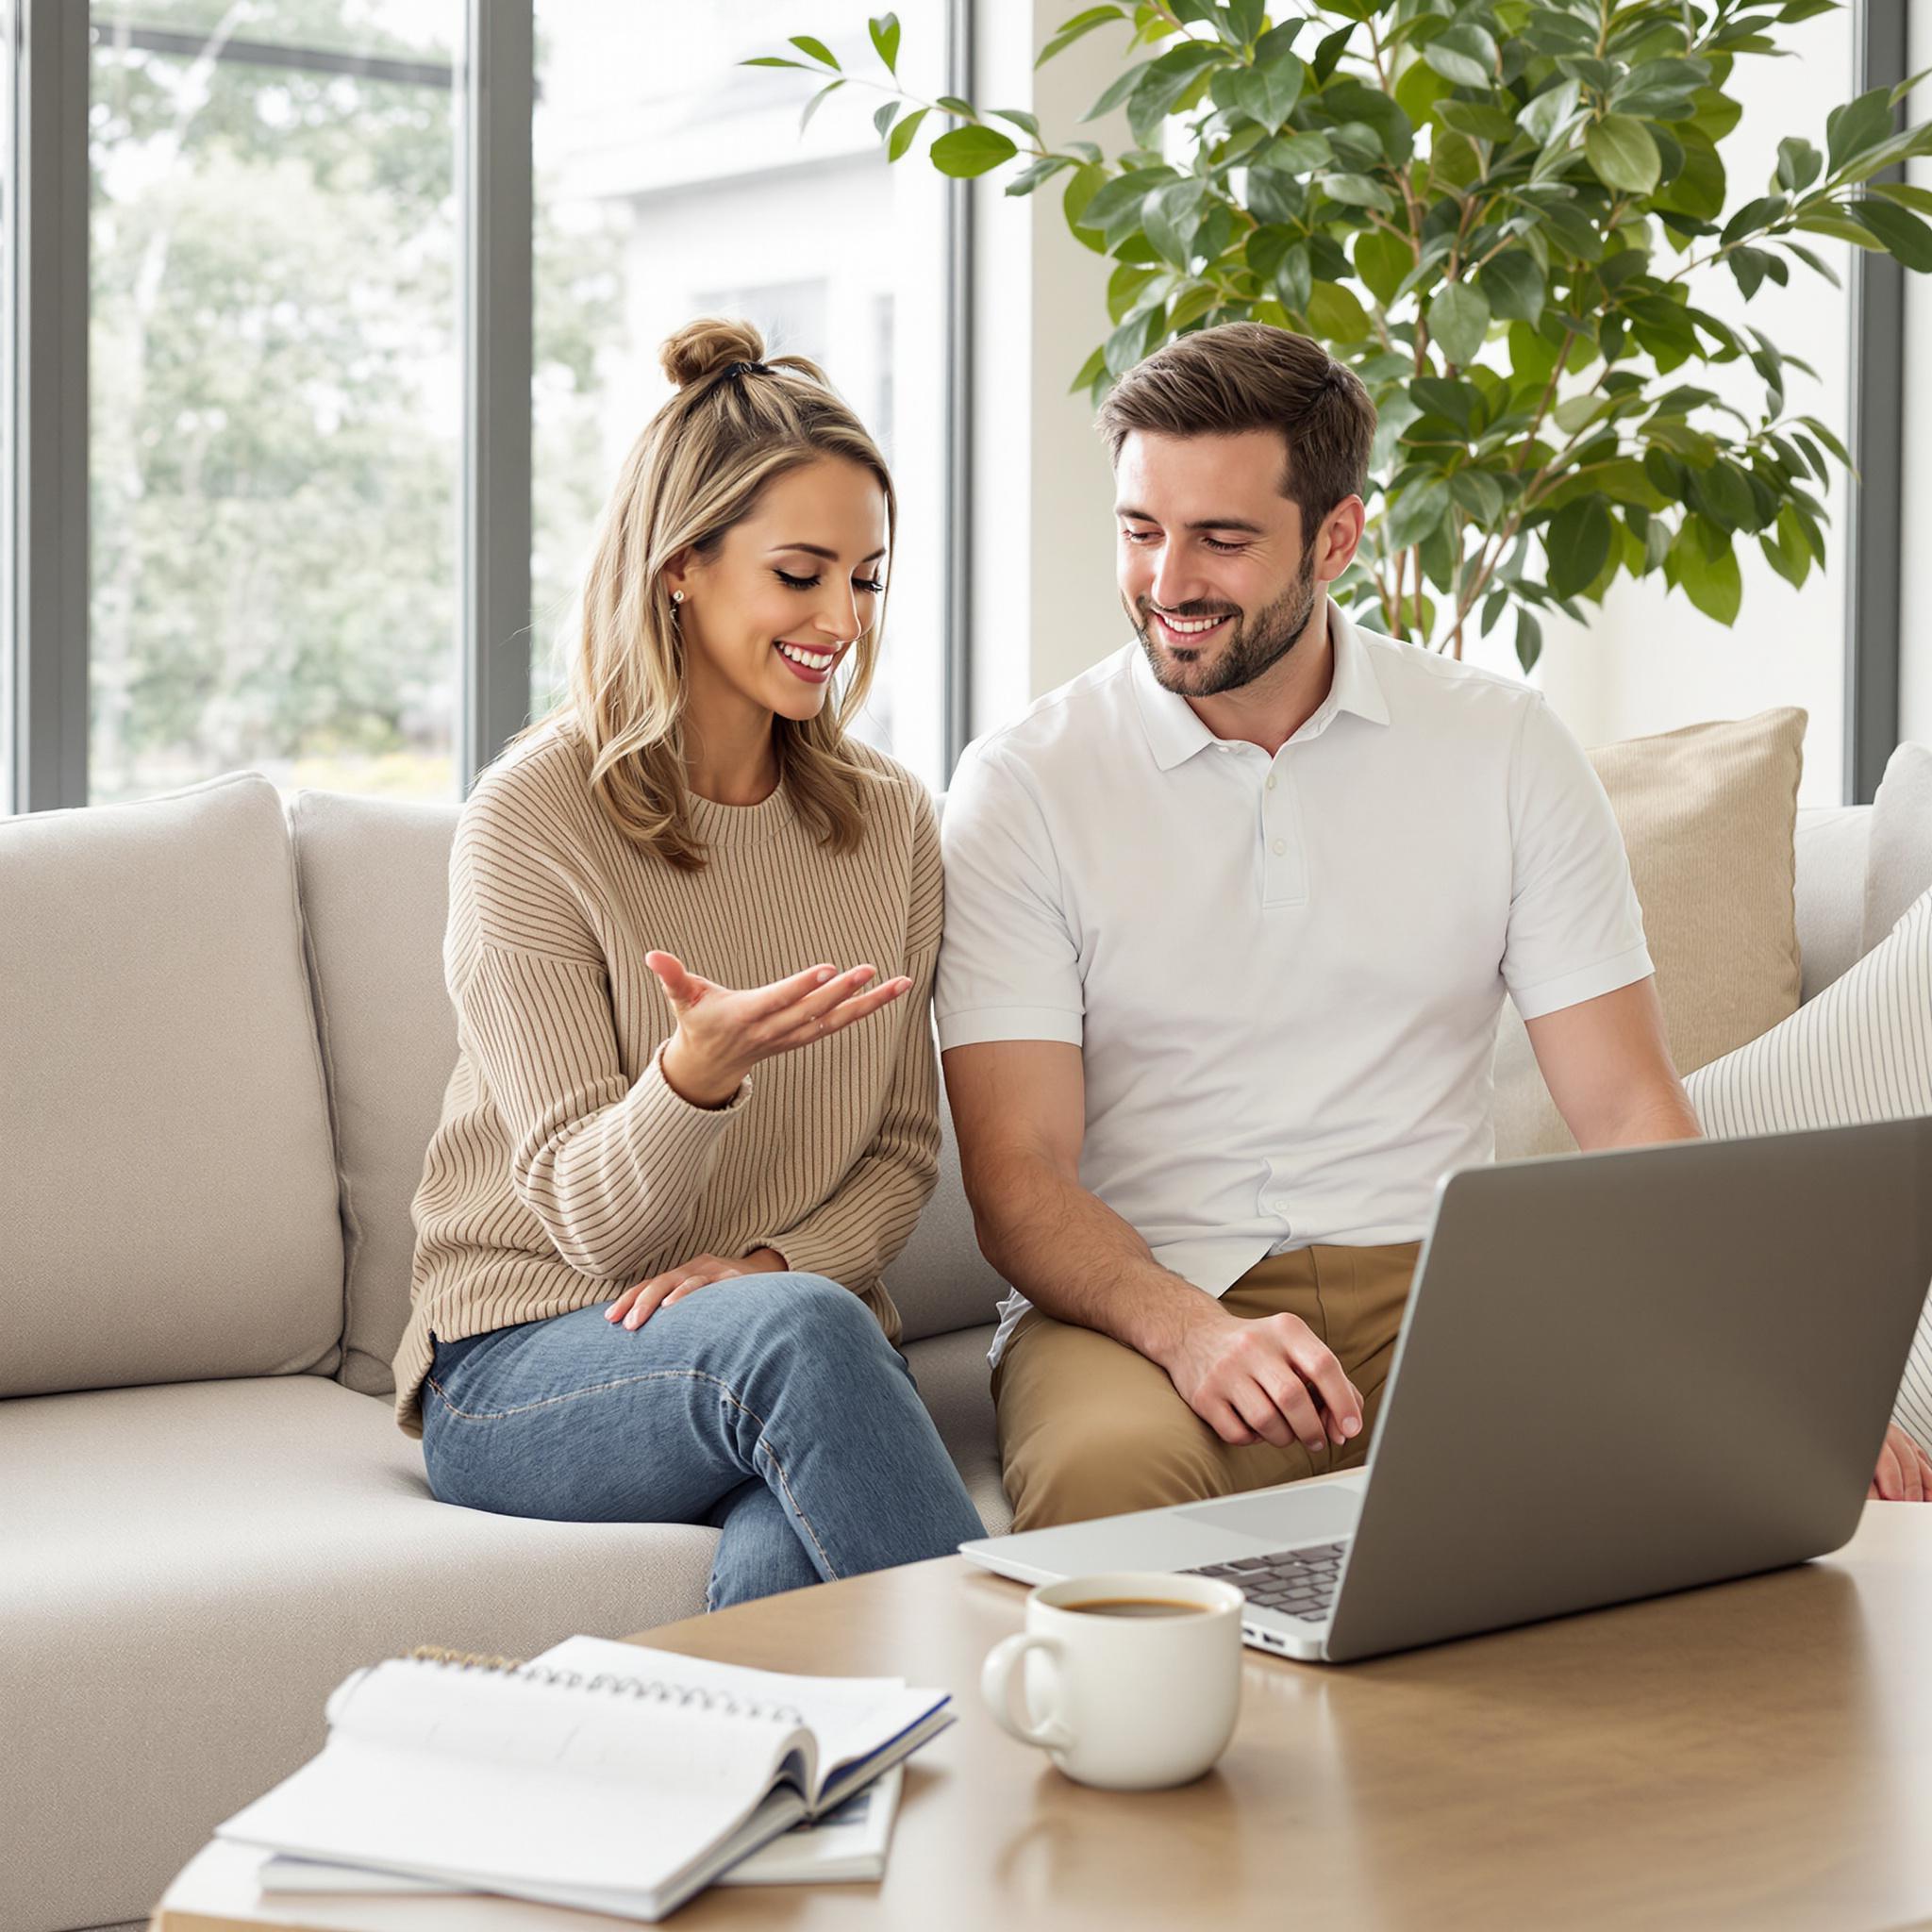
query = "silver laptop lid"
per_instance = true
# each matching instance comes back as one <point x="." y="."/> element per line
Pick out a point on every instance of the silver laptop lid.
<point x="1635" y="1372"/>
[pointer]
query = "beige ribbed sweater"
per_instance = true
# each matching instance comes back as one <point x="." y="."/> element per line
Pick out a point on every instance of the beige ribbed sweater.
<point x="564" y="1168"/>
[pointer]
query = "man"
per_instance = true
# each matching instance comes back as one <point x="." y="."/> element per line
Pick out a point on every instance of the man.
<point x="1229" y="921"/>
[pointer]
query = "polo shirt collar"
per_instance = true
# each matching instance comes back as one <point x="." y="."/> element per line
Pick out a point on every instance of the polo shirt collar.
<point x="1175" y="732"/>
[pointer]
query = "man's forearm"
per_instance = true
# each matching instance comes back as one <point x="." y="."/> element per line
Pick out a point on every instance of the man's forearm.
<point x="1076" y="1260"/>
<point x="1659" y="1117"/>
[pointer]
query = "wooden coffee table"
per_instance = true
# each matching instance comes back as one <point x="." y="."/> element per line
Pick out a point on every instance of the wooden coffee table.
<point x="1758" y="1754"/>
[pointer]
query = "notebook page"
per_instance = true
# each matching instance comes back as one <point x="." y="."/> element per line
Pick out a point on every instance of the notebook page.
<point x="498" y="1778"/>
<point x="852" y="1718"/>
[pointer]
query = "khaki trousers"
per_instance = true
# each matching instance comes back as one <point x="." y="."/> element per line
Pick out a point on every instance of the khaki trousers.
<point x="1090" y="1427"/>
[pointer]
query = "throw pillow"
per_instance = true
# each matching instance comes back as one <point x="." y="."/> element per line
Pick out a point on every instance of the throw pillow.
<point x="1860" y="1051"/>
<point x="1708" y="815"/>
<point x="1899" y="867"/>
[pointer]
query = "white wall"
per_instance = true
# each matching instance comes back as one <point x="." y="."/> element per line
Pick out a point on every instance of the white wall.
<point x="1915" y="588"/>
<point x="1648" y="661"/>
<point x="1043" y="598"/>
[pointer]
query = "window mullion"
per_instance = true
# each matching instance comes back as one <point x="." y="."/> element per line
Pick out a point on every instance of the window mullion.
<point x="48" y="216"/>
<point x="497" y="98"/>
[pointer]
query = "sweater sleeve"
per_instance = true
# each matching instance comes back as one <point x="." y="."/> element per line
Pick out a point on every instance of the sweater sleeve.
<point x="857" y="1231"/>
<point x="612" y="1168"/>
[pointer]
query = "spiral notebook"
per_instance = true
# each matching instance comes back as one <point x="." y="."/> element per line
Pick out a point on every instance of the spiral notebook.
<point x="618" y="1787"/>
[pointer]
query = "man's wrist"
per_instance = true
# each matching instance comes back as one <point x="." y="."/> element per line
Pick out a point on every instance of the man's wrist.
<point x="1170" y="1319"/>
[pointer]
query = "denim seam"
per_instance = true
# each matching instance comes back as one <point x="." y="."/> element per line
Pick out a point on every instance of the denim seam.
<point x="593" y="1388"/>
<point x="730" y="1394"/>
<point x="784" y="1484"/>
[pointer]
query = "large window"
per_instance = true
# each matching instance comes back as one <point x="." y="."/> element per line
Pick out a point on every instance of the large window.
<point x="672" y="182"/>
<point x="292" y="274"/>
<point x="275" y="454"/>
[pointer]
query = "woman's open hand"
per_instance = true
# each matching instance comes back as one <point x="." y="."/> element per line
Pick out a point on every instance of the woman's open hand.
<point x="642" y="1299"/>
<point x="724" y="1033"/>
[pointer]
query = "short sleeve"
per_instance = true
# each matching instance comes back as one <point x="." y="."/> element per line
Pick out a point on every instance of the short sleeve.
<point x="1010" y="966"/>
<point x="1575" y="927"/>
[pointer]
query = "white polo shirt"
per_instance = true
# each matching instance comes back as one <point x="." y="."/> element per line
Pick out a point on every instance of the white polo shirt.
<point x="1284" y="974"/>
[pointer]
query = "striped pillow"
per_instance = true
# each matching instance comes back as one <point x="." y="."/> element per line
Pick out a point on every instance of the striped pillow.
<point x="1860" y="1051"/>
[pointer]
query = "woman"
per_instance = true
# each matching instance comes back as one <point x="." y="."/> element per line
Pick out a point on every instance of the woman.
<point x="695" y="1114"/>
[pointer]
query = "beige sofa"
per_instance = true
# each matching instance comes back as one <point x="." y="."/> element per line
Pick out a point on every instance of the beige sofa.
<point x="225" y="1042"/>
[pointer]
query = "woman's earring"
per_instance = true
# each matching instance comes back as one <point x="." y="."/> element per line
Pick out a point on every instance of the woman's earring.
<point x="677" y="599"/>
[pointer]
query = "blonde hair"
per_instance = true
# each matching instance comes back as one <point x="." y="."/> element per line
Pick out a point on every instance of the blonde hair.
<point x="699" y="467"/>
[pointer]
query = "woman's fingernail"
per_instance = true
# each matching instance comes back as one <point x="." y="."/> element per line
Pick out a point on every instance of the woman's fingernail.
<point x="825" y="973"/>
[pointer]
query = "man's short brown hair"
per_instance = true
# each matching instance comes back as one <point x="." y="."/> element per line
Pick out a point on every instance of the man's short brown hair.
<point x="1248" y="375"/>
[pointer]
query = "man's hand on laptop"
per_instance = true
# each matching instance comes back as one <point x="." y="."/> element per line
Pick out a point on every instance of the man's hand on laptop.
<point x="1271" y="1380"/>
<point x="1905" y="1471"/>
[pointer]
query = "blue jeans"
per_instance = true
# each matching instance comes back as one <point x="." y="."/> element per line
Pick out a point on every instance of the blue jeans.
<point x="772" y="1408"/>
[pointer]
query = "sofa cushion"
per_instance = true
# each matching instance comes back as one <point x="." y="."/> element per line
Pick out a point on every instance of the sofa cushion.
<point x="1860" y="1051"/>
<point x="375" y="877"/>
<point x="169" y="1193"/>
<point x="1708" y="816"/>
<point x="208" y="1562"/>
<point x="953" y="1378"/>
<point x="1900" y="866"/>
<point x="1831" y="846"/>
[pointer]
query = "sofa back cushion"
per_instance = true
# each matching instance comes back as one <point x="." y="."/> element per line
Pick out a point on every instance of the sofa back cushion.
<point x="169" y="1190"/>
<point x="1708" y="815"/>
<point x="1901" y="862"/>
<point x="375" y="879"/>
<point x="1831" y="844"/>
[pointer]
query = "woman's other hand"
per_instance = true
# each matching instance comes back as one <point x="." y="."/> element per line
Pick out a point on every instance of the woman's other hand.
<point x="643" y="1300"/>
<point x="723" y="1033"/>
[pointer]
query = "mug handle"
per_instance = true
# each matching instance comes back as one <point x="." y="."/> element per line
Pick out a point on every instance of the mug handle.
<point x="996" y="1687"/>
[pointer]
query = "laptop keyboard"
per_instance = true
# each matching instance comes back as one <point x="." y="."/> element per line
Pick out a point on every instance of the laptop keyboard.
<point x="1298" y="1583"/>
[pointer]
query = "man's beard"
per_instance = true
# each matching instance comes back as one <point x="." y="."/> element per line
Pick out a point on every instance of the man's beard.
<point x="1250" y="651"/>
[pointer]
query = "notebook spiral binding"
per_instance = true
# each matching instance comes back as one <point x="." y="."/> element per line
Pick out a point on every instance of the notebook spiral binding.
<point x="648" y="1690"/>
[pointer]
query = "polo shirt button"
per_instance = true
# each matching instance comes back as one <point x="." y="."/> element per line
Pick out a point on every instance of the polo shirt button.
<point x="1270" y="781"/>
<point x="1280" y="846"/>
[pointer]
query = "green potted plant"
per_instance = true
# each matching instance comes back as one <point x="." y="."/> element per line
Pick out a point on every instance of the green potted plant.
<point x="1499" y="214"/>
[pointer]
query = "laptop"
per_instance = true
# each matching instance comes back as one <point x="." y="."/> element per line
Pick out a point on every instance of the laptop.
<point x="1618" y="1375"/>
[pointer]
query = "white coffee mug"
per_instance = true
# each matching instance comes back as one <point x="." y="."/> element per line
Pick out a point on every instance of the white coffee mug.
<point x="1130" y="1679"/>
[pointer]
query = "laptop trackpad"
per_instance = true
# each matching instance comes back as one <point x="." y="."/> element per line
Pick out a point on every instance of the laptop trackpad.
<point x="1301" y="1513"/>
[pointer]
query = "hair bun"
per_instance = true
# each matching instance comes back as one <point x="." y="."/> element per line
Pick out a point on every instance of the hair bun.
<point x="701" y="348"/>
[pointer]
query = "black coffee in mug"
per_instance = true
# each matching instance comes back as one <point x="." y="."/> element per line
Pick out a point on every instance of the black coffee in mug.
<point x="1137" y="1607"/>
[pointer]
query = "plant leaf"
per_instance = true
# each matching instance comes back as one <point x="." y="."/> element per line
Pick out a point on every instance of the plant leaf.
<point x="1713" y="584"/>
<point x="1798" y="164"/>
<point x="1070" y="31"/>
<point x="1529" y="639"/>
<point x="1514" y="284"/>
<point x="1465" y="53"/>
<point x="972" y="151"/>
<point x="903" y="133"/>
<point x="817" y="49"/>
<point x="1625" y="157"/>
<point x="1857" y="127"/>
<point x="1576" y="542"/>
<point x="885" y="40"/>
<point x="1025" y="123"/>
<point x="1458" y="321"/>
<point x="1358" y="190"/>
<point x="1336" y="315"/>
<point x="811" y="106"/>
<point x="1904" y="233"/>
